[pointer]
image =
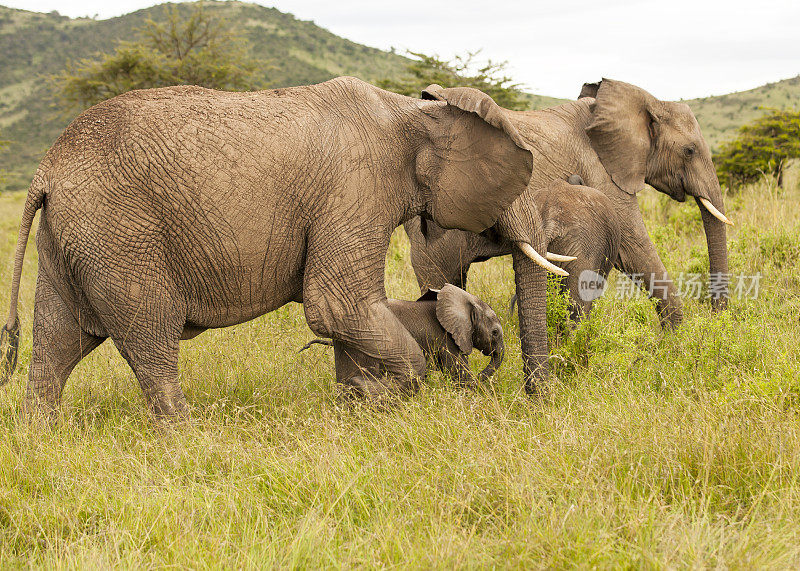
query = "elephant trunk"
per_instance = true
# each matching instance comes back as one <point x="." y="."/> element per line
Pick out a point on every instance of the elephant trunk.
<point x="531" y="282"/>
<point x="716" y="238"/>
<point x="521" y="225"/>
<point x="497" y="354"/>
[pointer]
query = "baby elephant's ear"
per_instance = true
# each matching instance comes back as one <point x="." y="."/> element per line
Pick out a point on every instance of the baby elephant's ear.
<point x="454" y="311"/>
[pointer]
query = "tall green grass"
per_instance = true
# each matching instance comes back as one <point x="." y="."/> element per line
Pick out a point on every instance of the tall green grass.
<point x="648" y="448"/>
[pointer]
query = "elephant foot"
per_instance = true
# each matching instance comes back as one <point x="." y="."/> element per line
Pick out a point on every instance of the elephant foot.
<point x="39" y="413"/>
<point x="670" y="317"/>
<point x="719" y="304"/>
<point x="380" y="393"/>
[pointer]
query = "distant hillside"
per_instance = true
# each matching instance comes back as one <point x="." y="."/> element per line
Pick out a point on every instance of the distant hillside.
<point x="722" y="115"/>
<point x="542" y="101"/>
<point x="33" y="45"/>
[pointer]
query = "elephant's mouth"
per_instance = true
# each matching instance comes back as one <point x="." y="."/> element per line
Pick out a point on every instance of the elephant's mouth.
<point x="680" y="193"/>
<point x="675" y="188"/>
<point x="494" y="351"/>
<point x="497" y="353"/>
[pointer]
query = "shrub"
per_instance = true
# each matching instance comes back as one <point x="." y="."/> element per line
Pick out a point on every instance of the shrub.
<point x="762" y="147"/>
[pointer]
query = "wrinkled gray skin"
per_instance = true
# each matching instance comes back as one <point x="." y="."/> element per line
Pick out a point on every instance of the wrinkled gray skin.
<point x="448" y="324"/>
<point x="166" y="212"/>
<point x="578" y="221"/>
<point x="616" y="137"/>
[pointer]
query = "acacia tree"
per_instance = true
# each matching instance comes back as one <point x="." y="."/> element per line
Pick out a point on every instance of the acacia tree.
<point x="461" y="71"/>
<point x="763" y="146"/>
<point x="194" y="50"/>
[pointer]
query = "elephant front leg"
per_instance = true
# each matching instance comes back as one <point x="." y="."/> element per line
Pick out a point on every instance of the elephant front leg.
<point x="585" y="284"/>
<point x="370" y="334"/>
<point x="659" y="285"/>
<point x="456" y="365"/>
<point x="439" y="261"/>
<point x="343" y="299"/>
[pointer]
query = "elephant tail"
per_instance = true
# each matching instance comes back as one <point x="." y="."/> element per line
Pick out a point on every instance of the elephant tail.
<point x="9" y="335"/>
<point x="511" y="305"/>
<point x="327" y="342"/>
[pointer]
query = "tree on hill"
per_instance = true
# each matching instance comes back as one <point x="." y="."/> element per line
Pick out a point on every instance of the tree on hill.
<point x="763" y="147"/>
<point x="458" y="72"/>
<point x="195" y="50"/>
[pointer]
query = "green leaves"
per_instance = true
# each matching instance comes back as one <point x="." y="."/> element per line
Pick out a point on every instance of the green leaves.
<point x="458" y="72"/>
<point x="194" y="50"/>
<point x="763" y="147"/>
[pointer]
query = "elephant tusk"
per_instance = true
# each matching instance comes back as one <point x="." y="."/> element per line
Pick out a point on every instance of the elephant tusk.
<point x="559" y="258"/>
<point x="714" y="212"/>
<point x="528" y="250"/>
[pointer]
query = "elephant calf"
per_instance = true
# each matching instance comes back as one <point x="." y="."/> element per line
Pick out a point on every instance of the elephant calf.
<point x="580" y="221"/>
<point x="447" y="324"/>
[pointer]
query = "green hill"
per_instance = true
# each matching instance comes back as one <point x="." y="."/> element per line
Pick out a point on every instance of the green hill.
<point x="722" y="115"/>
<point x="34" y="45"/>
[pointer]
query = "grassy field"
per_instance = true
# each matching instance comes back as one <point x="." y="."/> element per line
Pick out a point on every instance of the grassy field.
<point x="650" y="449"/>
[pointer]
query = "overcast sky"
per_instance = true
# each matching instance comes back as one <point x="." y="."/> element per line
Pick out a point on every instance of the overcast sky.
<point x="673" y="48"/>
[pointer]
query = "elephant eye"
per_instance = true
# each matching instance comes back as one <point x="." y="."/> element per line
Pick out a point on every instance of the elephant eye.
<point x="688" y="152"/>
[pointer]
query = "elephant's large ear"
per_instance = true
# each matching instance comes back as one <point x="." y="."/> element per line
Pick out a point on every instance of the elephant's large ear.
<point x="623" y="118"/>
<point x="430" y="295"/>
<point x="589" y="90"/>
<point x="454" y="311"/>
<point x="476" y="164"/>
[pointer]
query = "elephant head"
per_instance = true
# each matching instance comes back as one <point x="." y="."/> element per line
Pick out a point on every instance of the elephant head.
<point x="472" y="324"/>
<point x="641" y="139"/>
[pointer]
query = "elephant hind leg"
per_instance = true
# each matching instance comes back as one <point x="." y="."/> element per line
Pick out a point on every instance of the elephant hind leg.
<point x="147" y="334"/>
<point x="153" y="356"/>
<point x="59" y="344"/>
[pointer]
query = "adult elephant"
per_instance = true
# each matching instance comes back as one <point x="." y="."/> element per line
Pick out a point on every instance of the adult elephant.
<point x="616" y="138"/>
<point x="169" y="211"/>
